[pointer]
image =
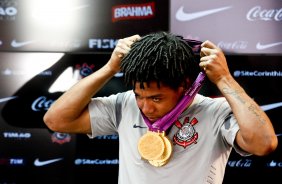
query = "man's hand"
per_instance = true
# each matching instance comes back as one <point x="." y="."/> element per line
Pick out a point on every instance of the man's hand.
<point x="213" y="62"/>
<point x="122" y="48"/>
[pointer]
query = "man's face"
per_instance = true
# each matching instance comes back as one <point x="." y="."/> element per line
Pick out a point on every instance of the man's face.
<point x="156" y="101"/>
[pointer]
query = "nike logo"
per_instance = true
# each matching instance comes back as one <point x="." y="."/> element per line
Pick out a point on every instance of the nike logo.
<point x="7" y="99"/>
<point x="39" y="163"/>
<point x="182" y="16"/>
<point x="137" y="126"/>
<point x="271" y="106"/>
<point x="266" y="46"/>
<point x="17" y="44"/>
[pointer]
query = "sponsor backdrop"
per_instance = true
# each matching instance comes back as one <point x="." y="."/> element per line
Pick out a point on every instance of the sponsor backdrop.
<point x="250" y="34"/>
<point x="76" y="25"/>
<point x="47" y="46"/>
<point x="252" y="26"/>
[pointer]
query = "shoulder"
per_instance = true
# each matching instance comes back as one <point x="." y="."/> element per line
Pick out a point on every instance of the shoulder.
<point x="125" y="98"/>
<point x="210" y="100"/>
<point x="212" y="104"/>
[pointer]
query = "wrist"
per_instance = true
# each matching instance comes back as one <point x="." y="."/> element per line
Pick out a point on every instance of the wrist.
<point x="111" y="69"/>
<point x="229" y="85"/>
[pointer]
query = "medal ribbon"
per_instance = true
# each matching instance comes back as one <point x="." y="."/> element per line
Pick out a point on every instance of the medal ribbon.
<point x="166" y="121"/>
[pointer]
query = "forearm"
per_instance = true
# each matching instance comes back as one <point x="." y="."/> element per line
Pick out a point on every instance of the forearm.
<point x="256" y="133"/>
<point x="69" y="113"/>
<point x="75" y="100"/>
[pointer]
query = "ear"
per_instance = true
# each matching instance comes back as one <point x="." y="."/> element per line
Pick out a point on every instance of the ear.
<point x="187" y="84"/>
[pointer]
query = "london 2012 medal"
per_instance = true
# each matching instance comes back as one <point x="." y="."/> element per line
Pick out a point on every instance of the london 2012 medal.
<point x="166" y="154"/>
<point x="156" y="147"/>
<point x="151" y="146"/>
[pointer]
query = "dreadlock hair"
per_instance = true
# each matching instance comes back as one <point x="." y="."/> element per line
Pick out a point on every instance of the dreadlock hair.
<point x="161" y="57"/>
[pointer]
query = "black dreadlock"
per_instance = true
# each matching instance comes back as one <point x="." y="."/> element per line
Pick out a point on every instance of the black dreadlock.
<point x="161" y="57"/>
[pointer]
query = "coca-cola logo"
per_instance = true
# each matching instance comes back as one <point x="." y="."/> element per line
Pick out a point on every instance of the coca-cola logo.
<point x="258" y="13"/>
<point x="237" y="45"/>
<point x="41" y="103"/>
<point x="240" y="163"/>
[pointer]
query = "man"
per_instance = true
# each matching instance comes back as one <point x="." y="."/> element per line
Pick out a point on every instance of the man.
<point x="163" y="138"/>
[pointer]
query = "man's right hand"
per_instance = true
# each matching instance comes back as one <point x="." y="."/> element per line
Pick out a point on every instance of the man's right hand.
<point x="122" y="48"/>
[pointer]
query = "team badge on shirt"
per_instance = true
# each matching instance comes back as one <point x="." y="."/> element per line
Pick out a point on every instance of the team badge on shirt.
<point x="186" y="135"/>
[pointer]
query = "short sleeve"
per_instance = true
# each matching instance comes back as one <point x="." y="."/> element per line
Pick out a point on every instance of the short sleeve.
<point x="229" y="130"/>
<point x="102" y="116"/>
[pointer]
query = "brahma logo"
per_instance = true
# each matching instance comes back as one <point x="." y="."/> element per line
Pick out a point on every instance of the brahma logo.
<point x="133" y="11"/>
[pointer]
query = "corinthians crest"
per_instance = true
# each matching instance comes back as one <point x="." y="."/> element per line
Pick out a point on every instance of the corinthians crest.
<point x="186" y="135"/>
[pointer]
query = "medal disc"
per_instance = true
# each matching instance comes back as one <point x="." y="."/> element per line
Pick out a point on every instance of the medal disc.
<point x="157" y="163"/>
<point x="151" y="146"/>
<point x="166" y="154"/>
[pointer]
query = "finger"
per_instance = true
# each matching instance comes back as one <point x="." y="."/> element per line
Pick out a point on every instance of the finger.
<point x="122" y="51"/>
<point x="208" y="44"/>
<point x="130" y="40"/>
<point x="202" y="53"/>
<point x="204" y="65"/>
<point x="120" y="55"/>
<point x="206" y="61"/>
<point x="124" y="45"/>
<point x="206" y="58"/>
<point x="206" y="51"/>
<point x="208" y="48"/>
<point x="134" y="38"/>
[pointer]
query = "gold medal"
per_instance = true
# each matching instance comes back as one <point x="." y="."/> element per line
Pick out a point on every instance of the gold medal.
<point x="151" y="146"/>
<point x="166" y="154"/>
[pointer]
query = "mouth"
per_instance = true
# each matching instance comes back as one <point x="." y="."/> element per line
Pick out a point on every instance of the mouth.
<point x="152" y="119"/>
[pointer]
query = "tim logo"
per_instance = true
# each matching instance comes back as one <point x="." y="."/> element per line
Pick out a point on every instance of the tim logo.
<point x="133" y="11"/>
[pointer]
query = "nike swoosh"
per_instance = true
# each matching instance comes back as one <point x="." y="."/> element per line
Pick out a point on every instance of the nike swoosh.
<point x="39" y="163"/>
<point x="266" y="46"/>
<point x="17" y="44"/>
<point x="7" y="99"/>
<point x="182" y="16"/>
<point x="271" y="106"/>
<point x="137" y="126"/>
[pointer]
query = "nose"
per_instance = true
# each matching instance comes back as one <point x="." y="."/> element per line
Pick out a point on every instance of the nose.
<point x="146" y="106"/>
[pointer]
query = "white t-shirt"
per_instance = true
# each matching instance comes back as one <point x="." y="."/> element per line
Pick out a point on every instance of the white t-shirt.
<point x="202" y="140"/>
